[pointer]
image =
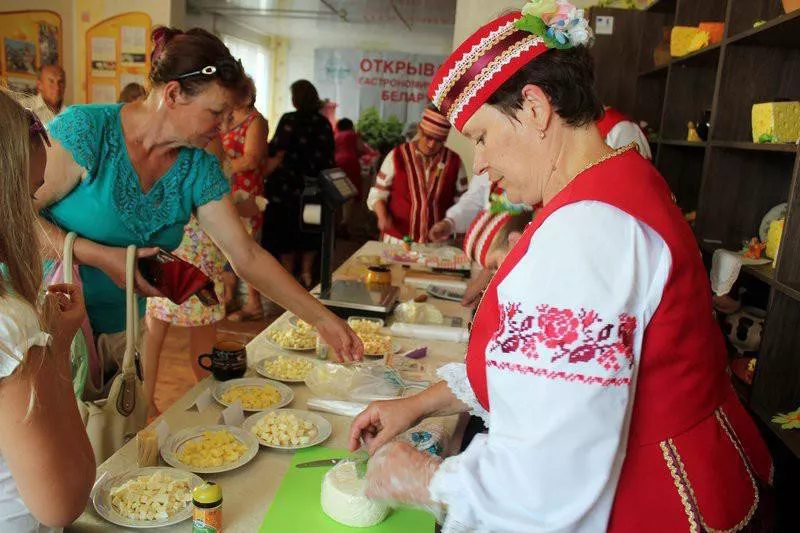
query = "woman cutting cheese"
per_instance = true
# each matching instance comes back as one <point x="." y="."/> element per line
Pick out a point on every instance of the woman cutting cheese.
<point x="593" y="357"/>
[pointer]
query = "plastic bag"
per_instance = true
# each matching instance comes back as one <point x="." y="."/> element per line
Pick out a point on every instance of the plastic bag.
<point x="360" y="382"/>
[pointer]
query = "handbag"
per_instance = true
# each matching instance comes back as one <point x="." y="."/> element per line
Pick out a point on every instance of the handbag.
<point x="177" y="279"/>
<point x="114" y="412"/>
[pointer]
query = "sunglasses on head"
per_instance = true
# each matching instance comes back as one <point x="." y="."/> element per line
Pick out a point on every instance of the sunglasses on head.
<point x="226" y="70"/>
<point x="35" y="127"/>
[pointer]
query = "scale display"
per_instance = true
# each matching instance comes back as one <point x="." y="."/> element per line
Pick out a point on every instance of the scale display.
<point x="337" y="185"/>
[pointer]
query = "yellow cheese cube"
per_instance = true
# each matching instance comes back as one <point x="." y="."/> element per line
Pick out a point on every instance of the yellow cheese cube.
<point x="685" y="40"/>
<point x="779" y="121"/>
<point x="774" y="238"/>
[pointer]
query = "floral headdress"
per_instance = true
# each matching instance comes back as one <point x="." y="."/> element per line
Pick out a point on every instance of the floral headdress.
<point x="560" y="24"/>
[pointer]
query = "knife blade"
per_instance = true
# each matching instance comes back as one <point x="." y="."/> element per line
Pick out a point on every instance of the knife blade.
<point x="321" y="462"/>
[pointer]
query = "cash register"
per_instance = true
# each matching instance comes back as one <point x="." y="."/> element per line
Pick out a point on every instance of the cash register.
<point x="344" y="297"/>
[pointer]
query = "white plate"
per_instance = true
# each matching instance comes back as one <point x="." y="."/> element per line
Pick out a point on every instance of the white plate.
<point x="323" y="427"/>
<point x="262" y="369"/>
<point x="278" y="346"/>
<point x="293" y="320"/>
<point x="287" y="394"/>
<point x="779" y="211"/>
<point x="172" y="446"/>
<point x="395" y="349"/>
<point x="101" y="497"/>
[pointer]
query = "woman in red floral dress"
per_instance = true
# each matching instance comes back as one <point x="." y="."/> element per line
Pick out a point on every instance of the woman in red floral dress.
<point x="245" y="145"/>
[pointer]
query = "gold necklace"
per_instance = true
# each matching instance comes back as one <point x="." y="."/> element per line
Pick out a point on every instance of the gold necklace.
<point x="606" y="157"/>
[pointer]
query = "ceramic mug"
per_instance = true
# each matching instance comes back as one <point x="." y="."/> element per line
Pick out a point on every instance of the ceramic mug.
<point x="378" y="275"/>
<point x="227" y="360"/>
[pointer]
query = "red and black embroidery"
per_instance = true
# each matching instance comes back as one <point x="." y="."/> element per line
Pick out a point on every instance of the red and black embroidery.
<point x="577" y="337"/>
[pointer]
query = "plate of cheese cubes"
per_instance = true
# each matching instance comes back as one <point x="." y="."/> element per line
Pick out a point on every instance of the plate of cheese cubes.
<point x="286" y="368"/>
<point x="145" y="497"/>
<point x="255" y="394"/>
<point x="209" y="449"/>
<point x="288" y="429"/>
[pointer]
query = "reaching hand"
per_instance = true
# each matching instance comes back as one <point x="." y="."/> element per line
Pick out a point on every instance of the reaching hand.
<point x="66" y="312"/>
<point x="401" y="474"/>
<point x="441" y="231"/>
<point x="382" y="421"/>
<point x="114" y="264"/>
<point x="341" y="338"/>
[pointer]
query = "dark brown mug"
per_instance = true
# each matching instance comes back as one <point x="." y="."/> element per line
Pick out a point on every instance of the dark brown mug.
<point x="227" y="360"/>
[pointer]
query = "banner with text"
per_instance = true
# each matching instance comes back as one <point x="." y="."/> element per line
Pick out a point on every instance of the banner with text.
<point x="395" y="83"/>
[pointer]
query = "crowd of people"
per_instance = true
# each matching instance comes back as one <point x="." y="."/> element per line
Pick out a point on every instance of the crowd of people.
<point x="601" y="262"/>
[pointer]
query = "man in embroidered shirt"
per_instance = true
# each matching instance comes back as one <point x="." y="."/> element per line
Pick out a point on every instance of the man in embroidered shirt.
<point x="49" y="98"/>
<point x="418" y="181"/>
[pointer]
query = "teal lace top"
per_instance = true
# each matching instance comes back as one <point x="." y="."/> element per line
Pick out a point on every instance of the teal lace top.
<point x="109" y="207"/>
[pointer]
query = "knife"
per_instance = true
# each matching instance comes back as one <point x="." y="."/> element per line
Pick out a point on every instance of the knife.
<point x="321" y="462"/>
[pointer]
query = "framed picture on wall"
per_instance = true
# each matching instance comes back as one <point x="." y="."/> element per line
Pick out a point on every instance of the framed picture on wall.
<point x="48" y="45"/>
<point x="20" y="56"/>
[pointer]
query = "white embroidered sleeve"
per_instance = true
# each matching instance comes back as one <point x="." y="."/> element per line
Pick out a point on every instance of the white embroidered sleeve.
<point x="382" y="187"/>
<point x="455" y="375"/>
<point x="561" y="371"/>
<point x="626" y="132"/>
<point x="470" y="203"/>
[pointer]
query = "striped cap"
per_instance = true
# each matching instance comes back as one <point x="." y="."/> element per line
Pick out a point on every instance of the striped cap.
<point x="480" y="65"/>
<point x="434" y="125"/>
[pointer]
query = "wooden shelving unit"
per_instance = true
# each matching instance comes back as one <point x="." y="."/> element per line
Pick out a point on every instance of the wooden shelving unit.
<point x="730" y="181"/>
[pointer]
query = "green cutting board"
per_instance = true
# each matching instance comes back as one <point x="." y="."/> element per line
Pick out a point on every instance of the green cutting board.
<point x="297" y="508"/>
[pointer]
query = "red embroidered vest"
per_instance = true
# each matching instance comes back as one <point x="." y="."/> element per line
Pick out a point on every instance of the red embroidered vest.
<point x="415" y="203"/>
<point x="484" y="230"/>
<point x="693" y="455"/>
<point x="611" y="118"/>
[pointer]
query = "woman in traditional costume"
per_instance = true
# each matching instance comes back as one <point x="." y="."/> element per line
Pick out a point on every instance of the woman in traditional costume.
<point x="594" y="356"/>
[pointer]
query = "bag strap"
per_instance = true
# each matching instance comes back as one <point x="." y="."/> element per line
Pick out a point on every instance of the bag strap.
<point x="66" y="258"/>
<point x="131" y="312"/>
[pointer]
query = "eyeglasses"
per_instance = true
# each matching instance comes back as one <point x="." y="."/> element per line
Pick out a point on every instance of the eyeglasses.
<point x="227" y="70"/>
<point x="35" y="127"/>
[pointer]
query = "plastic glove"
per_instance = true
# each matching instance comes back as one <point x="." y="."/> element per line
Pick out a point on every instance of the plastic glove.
<point x="400" y="475"/>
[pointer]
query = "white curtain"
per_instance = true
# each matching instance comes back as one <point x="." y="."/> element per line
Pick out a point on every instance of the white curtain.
<point x="256" y="61"/>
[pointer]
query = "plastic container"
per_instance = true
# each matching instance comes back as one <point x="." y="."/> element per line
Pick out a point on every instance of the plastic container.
<point x="207" y="508"/>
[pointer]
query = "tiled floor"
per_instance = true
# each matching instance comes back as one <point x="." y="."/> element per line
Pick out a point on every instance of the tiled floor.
<point x="174" y="373"/>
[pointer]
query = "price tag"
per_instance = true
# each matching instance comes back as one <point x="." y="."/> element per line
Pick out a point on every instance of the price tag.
<point x="162" y="432"/>
<point x="603" y="25"/>
<point x="233" y="415"/>
<point x="203" y="400"/>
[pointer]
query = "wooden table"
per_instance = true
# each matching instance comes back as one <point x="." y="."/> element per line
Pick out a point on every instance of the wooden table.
<point x="248" y="491"/>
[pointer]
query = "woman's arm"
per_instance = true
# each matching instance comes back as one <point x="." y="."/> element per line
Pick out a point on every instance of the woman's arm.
<point x="46" y="449"/>
<point x="383" y="420"/>
<point x="255" y="147"/>
<point x="257" y="267"/>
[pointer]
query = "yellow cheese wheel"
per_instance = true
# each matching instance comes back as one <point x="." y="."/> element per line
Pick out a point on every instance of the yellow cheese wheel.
<point x="685" y="40"/>
<point x="780" y="121"/>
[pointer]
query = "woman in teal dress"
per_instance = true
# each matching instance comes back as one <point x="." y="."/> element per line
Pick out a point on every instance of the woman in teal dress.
<point x="133" y="174"/>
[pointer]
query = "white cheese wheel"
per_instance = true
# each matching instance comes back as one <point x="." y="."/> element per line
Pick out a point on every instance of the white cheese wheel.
<point x="344" y="501"/>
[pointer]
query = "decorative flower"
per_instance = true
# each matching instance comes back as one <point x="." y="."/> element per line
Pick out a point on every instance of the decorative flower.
<point x="788" y="420"/>
<point x="539" y="8"/>
<point x="558" y="327"/>
<point x="560" y="24"/>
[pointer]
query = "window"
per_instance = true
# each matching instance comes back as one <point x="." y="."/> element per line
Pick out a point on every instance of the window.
<point x="256" y="61"/>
